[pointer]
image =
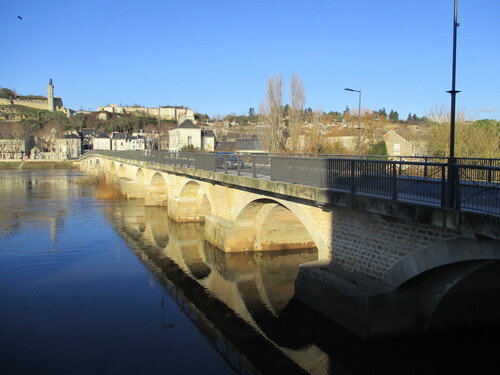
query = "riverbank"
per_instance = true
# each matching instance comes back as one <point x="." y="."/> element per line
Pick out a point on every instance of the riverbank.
<point x="36" y="164"/>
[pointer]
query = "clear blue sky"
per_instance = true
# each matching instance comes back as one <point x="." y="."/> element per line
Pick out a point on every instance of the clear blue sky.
<point x="216" y="56"/>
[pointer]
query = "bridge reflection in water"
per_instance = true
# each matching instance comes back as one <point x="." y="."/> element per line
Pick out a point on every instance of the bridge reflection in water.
<point x="243" y="303"/>
<point x="236" y="299"/>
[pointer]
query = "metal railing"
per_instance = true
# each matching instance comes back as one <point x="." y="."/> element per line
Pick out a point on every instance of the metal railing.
<point x="477" y="185"/>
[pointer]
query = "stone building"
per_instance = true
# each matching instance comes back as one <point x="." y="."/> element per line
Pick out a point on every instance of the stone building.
<point x="101" y="141"/>
<point x="188" y="134"/>
<point x="51" y="103"/>
<point x="399" y="146"/>
<point x="14" y="146"/>
<point x="178" y="114"/>
<point x="68" y="146"/>
<point x="124" y="141"/>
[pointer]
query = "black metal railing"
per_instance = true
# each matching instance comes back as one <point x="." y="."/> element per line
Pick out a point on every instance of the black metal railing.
<point x="477" y="185"/>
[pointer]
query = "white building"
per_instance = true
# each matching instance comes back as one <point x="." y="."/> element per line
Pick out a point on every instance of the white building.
<point x="69" y="146"/>
<point x="101" y="141"/>
<point x="186" y="134"/>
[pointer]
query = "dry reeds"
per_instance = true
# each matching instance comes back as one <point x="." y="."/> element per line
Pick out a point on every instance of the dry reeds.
<point x="105" y="190"/>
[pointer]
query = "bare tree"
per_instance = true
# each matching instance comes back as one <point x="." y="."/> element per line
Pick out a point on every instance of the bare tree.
<point x="296" y="114"/>
<point x="272" y="114"/>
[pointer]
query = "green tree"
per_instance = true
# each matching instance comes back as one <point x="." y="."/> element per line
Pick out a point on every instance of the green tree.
<point x="382" y="113"/>
<point x="393" y="116"/>
<point x="378" y="149"/>
<point x="7" y="93"/>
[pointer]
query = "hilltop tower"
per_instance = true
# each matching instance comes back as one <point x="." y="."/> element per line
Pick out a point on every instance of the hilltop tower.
<point x="50" y="96"/>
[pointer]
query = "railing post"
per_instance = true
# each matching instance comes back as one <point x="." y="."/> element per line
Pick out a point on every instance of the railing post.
<point x="443" y="186"/>
<point x="490" y="171"/>
<point x="254" y="170"/>
<point x="451" y="183"/>
<point x="353" y="183"/>
<point x="458" y="196"/>
<point x="238" y="165"/>
<point x="394" y="182"/>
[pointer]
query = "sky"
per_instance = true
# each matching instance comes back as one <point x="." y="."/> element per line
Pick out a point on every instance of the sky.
<point x="215" y="56"/>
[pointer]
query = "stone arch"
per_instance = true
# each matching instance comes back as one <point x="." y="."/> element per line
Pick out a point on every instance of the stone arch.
<point x="441" y="253"/>
<point x="158" y="191"/>
<point x="97" y="165"/>
<point x="193" y="203"/>
<point x="121" y="171"/>
<point x="277" y="225"/>
<point x="139" y="176"/>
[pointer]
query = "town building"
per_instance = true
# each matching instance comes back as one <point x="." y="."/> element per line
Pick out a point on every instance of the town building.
<point x="101" y="141"/>
<point x="186" y="134"/>
<point x="178" y="114"/>
<point x="15" y="146"/>
<point x="124" y="141"/>
<point x="68" y="146"/>
<point x="249" y="145"/>
<point x="399" y="146"/>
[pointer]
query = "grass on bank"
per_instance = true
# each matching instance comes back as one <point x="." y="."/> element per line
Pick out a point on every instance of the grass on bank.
<point x="27" y="164"/>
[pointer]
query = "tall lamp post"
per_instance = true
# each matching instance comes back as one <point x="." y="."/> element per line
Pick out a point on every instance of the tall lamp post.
<point x="452" y="172"/>
<point x="359" y="119"/>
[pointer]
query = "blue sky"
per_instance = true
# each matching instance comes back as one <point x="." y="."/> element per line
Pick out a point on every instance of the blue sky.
<point x="216" y="56"/>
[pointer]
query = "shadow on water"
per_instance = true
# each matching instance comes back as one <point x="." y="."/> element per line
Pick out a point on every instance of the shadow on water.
<point x="243" y="303"/>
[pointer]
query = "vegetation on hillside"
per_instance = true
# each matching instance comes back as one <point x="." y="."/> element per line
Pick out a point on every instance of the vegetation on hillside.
<point x="291" y="127"/>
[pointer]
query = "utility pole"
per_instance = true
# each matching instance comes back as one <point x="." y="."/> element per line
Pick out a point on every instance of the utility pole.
<point x="359" y="119"/>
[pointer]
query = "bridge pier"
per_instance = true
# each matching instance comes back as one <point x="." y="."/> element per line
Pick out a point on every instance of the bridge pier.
<point x="185" y="209"/>
<point x="133" y="189"/>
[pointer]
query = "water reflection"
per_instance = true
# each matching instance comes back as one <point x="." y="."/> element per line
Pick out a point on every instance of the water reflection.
<point x="243" y="303"/>
<point x="121" y="318"/>
<point x="36" y="200"/>
<point x="251" y="288"/>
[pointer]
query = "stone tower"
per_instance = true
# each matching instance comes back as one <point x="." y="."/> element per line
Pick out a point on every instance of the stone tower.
<point x="50" y="96"/>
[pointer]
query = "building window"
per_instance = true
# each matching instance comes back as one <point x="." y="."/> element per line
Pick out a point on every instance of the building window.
<point x="190" y="140"/>
<point x="396" y="149"/>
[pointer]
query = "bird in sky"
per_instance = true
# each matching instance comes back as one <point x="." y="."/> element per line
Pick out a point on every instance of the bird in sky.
<point x="21" y="18"/>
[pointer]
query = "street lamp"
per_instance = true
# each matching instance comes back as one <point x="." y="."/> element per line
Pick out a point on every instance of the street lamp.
<point x="452" y="173"/>
<point x="359" y="119"/>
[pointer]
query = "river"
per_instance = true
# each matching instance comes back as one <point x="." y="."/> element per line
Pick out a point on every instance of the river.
<point x="93" y="286"/>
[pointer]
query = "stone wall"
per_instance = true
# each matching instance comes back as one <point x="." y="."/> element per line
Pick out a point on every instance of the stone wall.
<point x="38" y="104"/>
<point x="370" y="244"/>
<point x="165" y="113"/>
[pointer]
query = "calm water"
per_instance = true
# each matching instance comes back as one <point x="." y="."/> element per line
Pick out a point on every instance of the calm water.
<point x="103" y="287"/>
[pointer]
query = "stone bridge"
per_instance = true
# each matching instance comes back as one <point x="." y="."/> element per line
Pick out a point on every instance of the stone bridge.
<point x="384" y="267"/>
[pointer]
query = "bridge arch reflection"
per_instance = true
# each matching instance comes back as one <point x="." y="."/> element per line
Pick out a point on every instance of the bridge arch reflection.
<point x="256" y="286"/>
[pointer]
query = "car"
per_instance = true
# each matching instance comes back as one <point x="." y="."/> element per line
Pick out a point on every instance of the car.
<point x="229" y="161"/>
